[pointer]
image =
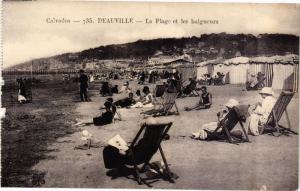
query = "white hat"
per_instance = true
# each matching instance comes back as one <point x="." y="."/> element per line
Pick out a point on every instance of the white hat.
<point x="85" y="135"/>
<point x="267" y="90"/>
<point x="231" y="103"/>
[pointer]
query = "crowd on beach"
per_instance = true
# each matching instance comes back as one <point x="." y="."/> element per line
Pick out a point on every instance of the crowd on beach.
<point x="171" y="83"/>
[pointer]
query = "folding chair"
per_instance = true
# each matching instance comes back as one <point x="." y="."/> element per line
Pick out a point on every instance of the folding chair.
<point x="158" y="92"/>
<point x="272" y="123"/>
<point x="226" y="125"/>
<point x="165" y="106"/>
<point x="257" y="86"/>
<point x="143" y="148"/>
<point x="193" y="89"/>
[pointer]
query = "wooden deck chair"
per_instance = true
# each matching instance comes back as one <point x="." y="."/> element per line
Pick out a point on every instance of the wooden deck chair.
<point x="158" y="93"/>
<point x="141" y="150"/>
<point x="226" y="125"/>
<point x="279" y="108"/>
<point x="257" y="85"/>
<point x="165" y="106"/>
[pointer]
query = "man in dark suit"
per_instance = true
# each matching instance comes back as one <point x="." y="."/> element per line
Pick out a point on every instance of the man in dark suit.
<point x="83" y="80"/>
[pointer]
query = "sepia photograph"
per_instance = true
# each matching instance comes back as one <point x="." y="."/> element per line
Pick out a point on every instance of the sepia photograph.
<point x="150" y="95"/>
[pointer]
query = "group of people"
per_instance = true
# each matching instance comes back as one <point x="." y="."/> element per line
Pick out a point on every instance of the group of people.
<point x="144" y="99"/>
<point x="208" y="79"/>
<point x="257" y="119"/>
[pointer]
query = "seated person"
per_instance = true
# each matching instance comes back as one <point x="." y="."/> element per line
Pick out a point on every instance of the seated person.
<point x="113" y="106"/>
<point x="202" y="134"/>
<point x="252" y="82"/>
<point x="262" y="110"/>
<point x="105" y="118"/>
<point x="116" y="155"/>
<point x="190" y="87"/>
<point x="204" y="102"/>
<point x="126" y="102"/>
<point x="115" y="90"/>
<point x="125" y="88"/>
<point x="147" y="101"/>
<point x="139" y="97"/>
<point x="260" y="77"/>
<point x="105" y="89"/>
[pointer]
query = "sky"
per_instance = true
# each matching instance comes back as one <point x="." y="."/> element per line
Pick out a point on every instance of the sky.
<point x="27" y="35"/>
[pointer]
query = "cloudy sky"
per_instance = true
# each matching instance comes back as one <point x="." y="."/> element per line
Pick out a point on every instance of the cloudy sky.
<point x="27" y="35"/>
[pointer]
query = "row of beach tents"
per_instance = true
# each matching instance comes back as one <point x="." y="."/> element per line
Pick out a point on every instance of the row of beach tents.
<point x="281" y="72"/>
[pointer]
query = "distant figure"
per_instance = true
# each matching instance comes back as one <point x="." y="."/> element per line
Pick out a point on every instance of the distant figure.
<point x="91" y="77"/>
<point x="83" y="80"/>
<point x="105" y="89"/>
<point x="260" y="78"/>
<point x="115" y="89"/>
<point x="190" y="87"/>
<point x="142" y="78"/>
<point x="21" y="91"/>
<point x="139" y="97"/>
<point x="126" y="102"/>
<point x="125" y="88"/>
<point x="205" y="100"/>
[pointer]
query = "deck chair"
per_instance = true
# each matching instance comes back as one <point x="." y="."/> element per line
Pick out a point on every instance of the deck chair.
<point x="117" y="116"/>
<point x="257" y="86"/>
<point x="158" y="92"/>
<point x="142" y="149"/>
<point x="165" y="106"/>
<point x="219" y="80"/>
<point x="279" y="108"/>
<point x="227" y="124"/>
<point x="192" y="88"/>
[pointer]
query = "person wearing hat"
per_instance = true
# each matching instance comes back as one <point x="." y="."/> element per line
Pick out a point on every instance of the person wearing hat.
<point x="202" y="134"/>
<point x="83" y="80"/>
<point x="205" y="100"/>
<point x="262" y="110"/>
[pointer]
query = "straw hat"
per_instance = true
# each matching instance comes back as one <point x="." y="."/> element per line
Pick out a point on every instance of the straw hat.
<point x="267" y="91"/>
<point x="231" y="103"/>
<point x="85" y="135"/>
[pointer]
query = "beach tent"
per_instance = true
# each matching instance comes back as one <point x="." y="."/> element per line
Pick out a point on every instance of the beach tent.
<point x="186" y="68"/>
<point x="211" y="67"/>
<point x="282" y="72"/>
<point x="237" y="68"/>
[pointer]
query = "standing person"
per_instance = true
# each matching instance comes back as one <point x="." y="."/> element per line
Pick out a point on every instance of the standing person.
<point x="262" y="110"/>
<point x="91" y="77"/>
<point x="83" y="80"/>
<point x="21" y="91"/>
<point x="205" y="100"/>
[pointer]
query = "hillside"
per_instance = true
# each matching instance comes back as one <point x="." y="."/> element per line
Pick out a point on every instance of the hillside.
<point x="206" y="46"/>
